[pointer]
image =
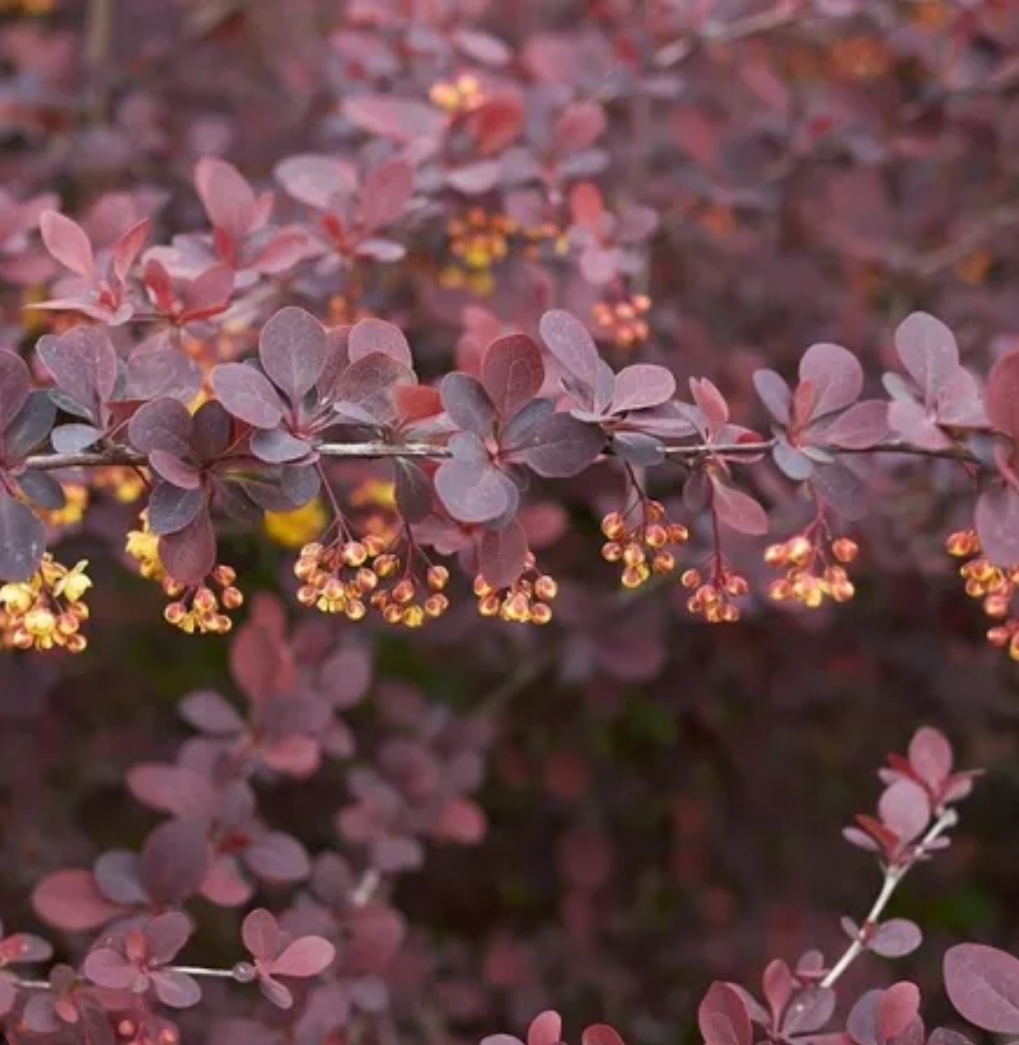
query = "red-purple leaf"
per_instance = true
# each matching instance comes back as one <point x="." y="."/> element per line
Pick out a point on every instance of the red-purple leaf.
<point x="983" y="985"/>
<point x="546" y="1029"/>
<point x="460" y="820"/>
<point x="413" y="491"/>
<point x="172" y="508"/>
<point x="386" y="191"/>
<point x="305" y="957"/>
<point x="928" y="351"/>
<point x="774" y="393"/>
<point x="579" y="126"/>
<point x="897" y="1008"/>
<point x="128" y="247"/>
<point x="368" y="385"/>
<point x="809" y="1010"/>
<point x="601" y="1034"/>
<point x="895" y="938"/>
<point x="247" y="394"/>
<point x="211" y="713"/>
<point x="83" y="363"/>
<point x="174" y="860"/>
<point x="227" y="197"/>
<point x="70" y="900"/>
<point x="561" y="446"/>
<point x="108" y="968"/>
<point x="278" y="857"/>
<point x="170" y="467"/>
<point x="738" y="510"/>
<point x="997" y="524"/>
<point x="190" y="554"/>
<point x="376" y="335"/>
<point x="166" y="936"/>
<point x="176" y="989"/>
<point x="69" y="439"/>
<point x="777" y="983"/>
<point x="293" y="351"/>
<point x="512" y="373"/>
<point x="172" y="789"/>
<point x="861" y="426"/>
<point x="723" y="1017"/>
<point x="261" y="934"/>
<point x="15" y="384"/>
<point x="475" y="492"/>
<point x="401" y="119"/>
<point x="278" y="446"/>
<point x="22" y="540"/>
<point x="930" y="755"/>
<point x="68" y="243"/>
<point x="905" y="808"/>
<point x="501" y="555"/>
<point x="710" y="402"/>
<point x="572" y="346"/>
<point x="642" y="385"/>
<point x="468" y="404"/>
<point x="836" y="376"/>
<point x="1003" y="394"/>
<point x="861" y="1023"/>
<point x="163" y="424"/>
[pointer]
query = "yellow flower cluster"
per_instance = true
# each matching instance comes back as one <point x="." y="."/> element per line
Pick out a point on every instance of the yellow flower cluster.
<point x="346" y="577"/>
<point x="477" y="242"/>
<point x="526" y="601"/>
<point x="642" y="548"/>
<point x="463" y="95"/>
<point x="200" y="609"/>
<point x="46" y="611"/>
<point x="994" y="585"/>
<point x="809" y="579"/>
<point x="712" y="599"/>
<point x="623" y="322"/>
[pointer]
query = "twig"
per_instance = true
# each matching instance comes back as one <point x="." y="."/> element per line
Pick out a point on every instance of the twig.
<point x="98" y="45"/>
<point x="893" y="876"/>
<point x="381" y="450"/>
<point x="366" y="887"/>
<point x="678" y="51"/>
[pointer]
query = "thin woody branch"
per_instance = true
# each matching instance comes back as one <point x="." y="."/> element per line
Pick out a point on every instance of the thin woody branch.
<point x="124" y="456"/>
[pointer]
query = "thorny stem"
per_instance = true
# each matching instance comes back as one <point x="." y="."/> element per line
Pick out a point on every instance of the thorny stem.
<point x="381" y="450"/>
<point x="893" y="876"/>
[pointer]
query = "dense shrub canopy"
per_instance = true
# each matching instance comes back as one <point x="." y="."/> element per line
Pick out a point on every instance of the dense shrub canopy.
<point x="507" y="470"/>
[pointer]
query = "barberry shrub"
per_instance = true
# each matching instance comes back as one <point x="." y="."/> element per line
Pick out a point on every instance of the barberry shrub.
<point x="609" y="321"/>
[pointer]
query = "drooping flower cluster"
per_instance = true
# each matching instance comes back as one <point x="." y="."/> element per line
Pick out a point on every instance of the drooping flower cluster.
<point x="810" y="575"/>
<point x="204" y="608"/>
<point x="46" y="611"/>
<point x="623" y="323"/>
<point x="993" y="585"/>
<point x="641" y="544"/>
<point x="526" y="601"/>
<point x="713" y="597"/>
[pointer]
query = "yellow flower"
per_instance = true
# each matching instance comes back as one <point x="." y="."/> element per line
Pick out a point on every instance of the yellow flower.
<point x="297" y="528"/>
<point x="143" y="546"/>
<point x="73" y="585"/>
